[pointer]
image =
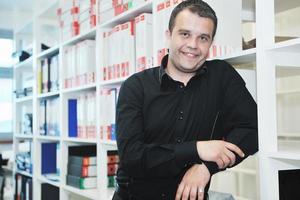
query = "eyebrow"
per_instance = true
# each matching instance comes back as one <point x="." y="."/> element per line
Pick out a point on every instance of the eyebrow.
<point x="188" y="31"/>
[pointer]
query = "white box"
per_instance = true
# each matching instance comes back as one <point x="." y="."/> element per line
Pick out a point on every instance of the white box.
<point x="144" y="44"/>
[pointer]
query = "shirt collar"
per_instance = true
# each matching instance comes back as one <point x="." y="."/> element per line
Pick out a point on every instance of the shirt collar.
<point x="163" y="66"/>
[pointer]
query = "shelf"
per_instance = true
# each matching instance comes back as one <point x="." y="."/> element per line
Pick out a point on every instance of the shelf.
<point x="283" y="92"/>
<point x="240" y="198"/>
<point x="244" y="171"/>
<point x="242" y="57"/>
<point x="289" y="135"/>
<point x="24" y="173"/>
<point x="23" y="99"/>
<point x="26" y="64"/>
<point x="91" y="34"/>
<point x="48" y="137"/>
<point x="48" y="94"/>
<point x="110" y="192"/>
<point x="291" y="46"/>
<point x="287" y="155"/>
<point x="81" y="140"/>
<point x="113" y="81"/>
<point x="109" y="142"/>
<point x="81" y="88"/>
<point x="45" y="180"/>
<point x="49" y="52"/>
<point x="89" y="193"/>
<point x="23" y="136"/>
<point x="128" y="15"/>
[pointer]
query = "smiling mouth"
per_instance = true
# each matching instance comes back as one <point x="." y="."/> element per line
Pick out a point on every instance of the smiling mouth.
<point x="189" y="55"/>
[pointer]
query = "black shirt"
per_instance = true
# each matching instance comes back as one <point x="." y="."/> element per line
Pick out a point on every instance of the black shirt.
<point x="159" y="120"/>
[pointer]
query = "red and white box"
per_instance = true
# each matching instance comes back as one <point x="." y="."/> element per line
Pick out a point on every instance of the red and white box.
<point x="144" y="44"/>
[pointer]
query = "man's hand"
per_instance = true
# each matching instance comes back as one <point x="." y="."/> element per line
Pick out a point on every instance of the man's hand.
<point x="218" y="151"/>
<point x="193" y="183"/>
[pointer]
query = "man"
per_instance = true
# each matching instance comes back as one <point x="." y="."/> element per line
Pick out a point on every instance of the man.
<point x="182" y="122"/>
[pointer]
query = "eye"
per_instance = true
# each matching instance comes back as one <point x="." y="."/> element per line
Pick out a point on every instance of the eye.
<point x="185" y="34"/>
<point x="204" y="39"/>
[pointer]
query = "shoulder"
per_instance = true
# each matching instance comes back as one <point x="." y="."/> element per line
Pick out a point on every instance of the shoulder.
<point x="141" y="78"/>
<point x="224" y="70"/>
<point x="219" y="65"/>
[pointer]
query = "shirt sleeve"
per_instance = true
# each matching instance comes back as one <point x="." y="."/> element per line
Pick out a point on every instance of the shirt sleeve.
<point x="239" y="115"/>
<point x="137" y="158"/>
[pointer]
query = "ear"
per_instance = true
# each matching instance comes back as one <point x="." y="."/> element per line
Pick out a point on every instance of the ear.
<point x="168" y="36"/>
<point x="167" y="33"/>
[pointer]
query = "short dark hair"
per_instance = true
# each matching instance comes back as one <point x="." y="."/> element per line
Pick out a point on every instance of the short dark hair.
<point x="199" y="7"/>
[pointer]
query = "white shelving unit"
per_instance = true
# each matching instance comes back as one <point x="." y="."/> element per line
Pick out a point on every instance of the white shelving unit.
<point x="277" y="63"/>
<point x="23" y="104"/>
<point x="277" y="95"/>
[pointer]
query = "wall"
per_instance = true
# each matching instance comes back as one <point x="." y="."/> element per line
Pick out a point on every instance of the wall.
<point x="287" y="23"/>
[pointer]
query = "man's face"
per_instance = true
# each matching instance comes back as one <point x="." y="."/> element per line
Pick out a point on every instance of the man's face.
<point x="189" y="41"/>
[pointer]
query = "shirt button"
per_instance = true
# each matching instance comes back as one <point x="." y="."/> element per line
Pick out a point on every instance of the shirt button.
<point x="178" y="140"/>
<point x="181" y="112"/>
<point x="180" y="118"/>
<point x="181" y="86"/>
<point x="163" y="195"/>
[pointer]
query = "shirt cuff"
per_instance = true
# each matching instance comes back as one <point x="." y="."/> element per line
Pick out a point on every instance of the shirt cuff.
<point x="212" y="167"/>
<point x="186" y="154"/>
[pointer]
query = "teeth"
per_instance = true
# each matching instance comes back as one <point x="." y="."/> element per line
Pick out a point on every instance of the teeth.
<point x="190" y="55"/>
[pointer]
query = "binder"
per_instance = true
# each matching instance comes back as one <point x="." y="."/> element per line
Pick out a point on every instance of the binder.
<point x="48" y="158"/>
<point x="72" y="117"/>
<point x="49" y="192"/>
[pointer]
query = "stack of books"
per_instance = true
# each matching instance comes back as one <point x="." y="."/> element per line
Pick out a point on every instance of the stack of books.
<point x="82" y="167"/>
<point x="112" y="166"/>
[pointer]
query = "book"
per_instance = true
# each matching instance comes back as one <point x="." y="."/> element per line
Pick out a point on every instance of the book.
<point x="82" y="170"/>
<point x="111" y="181"/>
<point x="83" y="150"/>
<point x="49" y="192"/>
<point x="83" y="160"/>
<point x="49" y="158"/>
<point x="72" y="117"/>
<point x="82" y="183"/>
<point x="144" y="38"/>
<point x="112" y="169"/>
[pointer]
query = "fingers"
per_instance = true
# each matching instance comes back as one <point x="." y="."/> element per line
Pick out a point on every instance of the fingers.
<point x="193" y="193"/>
<point x="186" y="193"/>
<point x="189" y="193"/>
<point x="200" y="193"/>
<point x="227" y="159"/>
<point x="179" y="192"/>
<point x="234" y="148"/>
<point x="231" y="157"/>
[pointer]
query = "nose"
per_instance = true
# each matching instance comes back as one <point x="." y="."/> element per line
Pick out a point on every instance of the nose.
<point x="192" y="43"/>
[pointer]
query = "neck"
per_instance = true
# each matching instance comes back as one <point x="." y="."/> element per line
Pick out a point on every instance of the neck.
<point x="180" y="76"/>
